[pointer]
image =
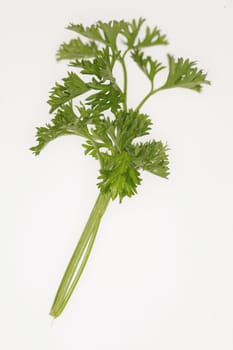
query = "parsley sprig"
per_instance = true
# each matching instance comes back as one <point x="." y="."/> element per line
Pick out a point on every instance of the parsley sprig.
<point x="109" y="127"/>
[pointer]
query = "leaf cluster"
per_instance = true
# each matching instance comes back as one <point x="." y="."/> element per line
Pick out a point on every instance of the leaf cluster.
<point x="110" y="128"/>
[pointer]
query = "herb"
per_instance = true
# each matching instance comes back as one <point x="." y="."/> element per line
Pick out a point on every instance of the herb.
<point x="110" y="128"/>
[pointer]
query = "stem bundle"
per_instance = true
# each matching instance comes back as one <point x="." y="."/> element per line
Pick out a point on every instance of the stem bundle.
<point x="80" y="256"/>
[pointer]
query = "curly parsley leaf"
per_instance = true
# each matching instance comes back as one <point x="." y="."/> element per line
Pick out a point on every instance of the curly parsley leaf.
<point x="109" y="96"/>
<point x="118" y="176"/>
<point x="111" y="31"/>
<point x="149" y="67"/>
<point x="93" y="32"/>
<point x="184" y="73"/>
<point x="65" y="122"/>
<point x="152" y="37"/>
<point x="104" y="32"/>
<point x="130" y="31"/>
<point x="73" y="86"/>
<point x="76" y="49"/>
<point x="100" y="66"/>
<point x="100" y="140"/>
<point x="151" y="156"/>
<point x="130" y="125"/>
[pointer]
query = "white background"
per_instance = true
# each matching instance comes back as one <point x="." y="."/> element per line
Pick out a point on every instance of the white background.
<point x="160" y="274"/>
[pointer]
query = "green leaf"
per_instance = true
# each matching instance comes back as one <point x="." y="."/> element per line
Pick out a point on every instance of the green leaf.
<point x="119" y="176"/>
<point x="111" y="31"/>
<point x="151" y="156"/>
<point x="130" y="31"/>
<point x="104" y="32"/>
<point x="130" y="125"/>
<point x="76" y="49"/>
<point x="65" y="122"/>
<point x="116" y="135"/>
<point x="73" y="86"/>
<point x="100" y="66"/>
<point x="108" y="97"/>
<point x="100" y="139"/>
<point x="149" y="67"/>
<point x="152" y="37"/>
<point x="184" y="73"/>
<point x="88" y="115"/>
<point x="93" y="32"/>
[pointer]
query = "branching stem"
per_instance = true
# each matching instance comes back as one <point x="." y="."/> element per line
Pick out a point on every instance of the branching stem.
<point x="152" y="92"/>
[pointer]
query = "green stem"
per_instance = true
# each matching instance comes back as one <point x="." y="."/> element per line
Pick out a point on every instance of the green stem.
<point x="122" y="61"/>
<point x="152" y="92"/>
<point x="85" y="257"/>
<point x="80" y="256"/>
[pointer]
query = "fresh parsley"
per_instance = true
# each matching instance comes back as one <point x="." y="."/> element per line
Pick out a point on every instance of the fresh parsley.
<point x="109" y="127"/>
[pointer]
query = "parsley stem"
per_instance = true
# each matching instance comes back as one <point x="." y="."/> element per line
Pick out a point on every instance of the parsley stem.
<point x="80" y="256"/>
<point x="125" y="81"/>
<point x="152" y="92"/>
